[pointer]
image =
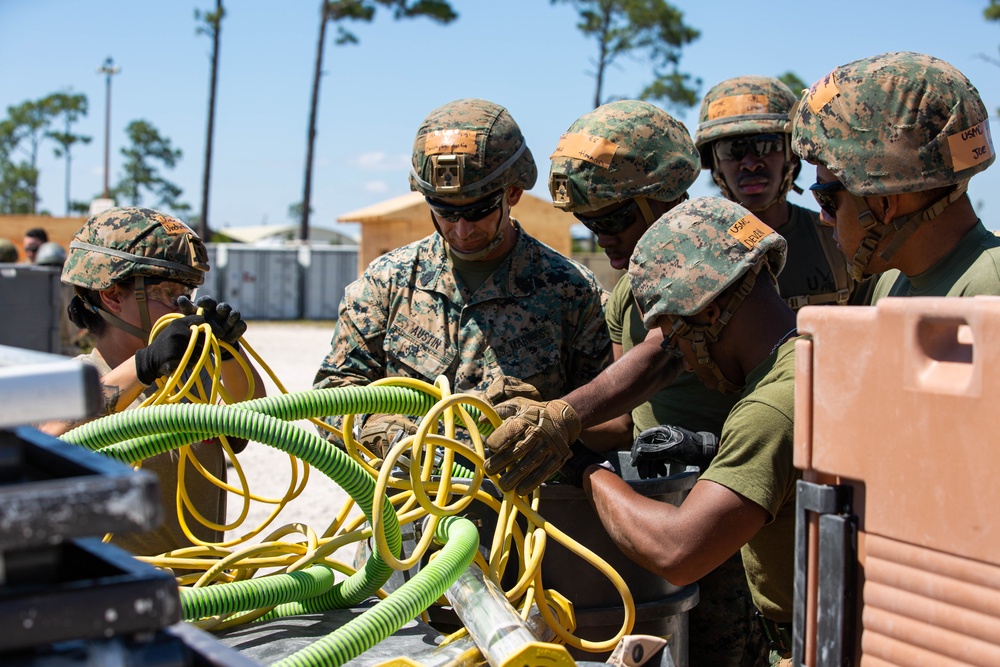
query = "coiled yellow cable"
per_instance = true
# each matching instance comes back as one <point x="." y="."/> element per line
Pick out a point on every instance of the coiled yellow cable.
<point x="417" y="497"/>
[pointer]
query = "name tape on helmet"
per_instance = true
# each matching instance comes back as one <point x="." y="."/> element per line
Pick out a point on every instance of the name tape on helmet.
<point x="749" y="230"/>
<point x="970" y="147"/>
<point x="737" y="105"/>
<point x="580" y="146"/>
<point x="824" y="91"/>
<point x="173" y="226"/>
<point x="450" y="141"/>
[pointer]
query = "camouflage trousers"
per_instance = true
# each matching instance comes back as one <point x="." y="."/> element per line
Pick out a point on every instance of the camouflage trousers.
<point x="722" y="628"/>
<point x="779" y="659"/>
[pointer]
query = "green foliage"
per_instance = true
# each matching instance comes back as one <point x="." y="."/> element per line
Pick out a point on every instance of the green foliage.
<point x="364" y="10"/>
<point x="792" y="80"/>
<point x="209" y="21"/>
<point x="140" y="172"/>
<point x="652" y="30"/>
<point x="21" y="134"/>
<point x="295" y="211"/>
<point x="992" y="11"/>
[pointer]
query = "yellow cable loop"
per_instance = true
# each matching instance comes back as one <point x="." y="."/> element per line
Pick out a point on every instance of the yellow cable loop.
<point x="415" y="497"/>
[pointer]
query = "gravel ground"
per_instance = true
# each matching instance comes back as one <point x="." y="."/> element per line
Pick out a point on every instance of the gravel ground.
<point x="293" y="350"/>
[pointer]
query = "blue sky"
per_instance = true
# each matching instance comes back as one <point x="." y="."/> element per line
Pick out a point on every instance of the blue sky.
<point x="524" y="54"/>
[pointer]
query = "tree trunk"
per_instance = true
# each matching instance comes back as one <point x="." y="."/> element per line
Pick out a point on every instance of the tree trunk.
<point x="203" y="230"/>
<point x="602" y="55"/>
<point x="311" y="135"/>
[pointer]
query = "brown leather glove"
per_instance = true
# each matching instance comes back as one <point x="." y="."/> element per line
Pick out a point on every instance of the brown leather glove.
<point x="381" y="432"/>
<point x="535" y="434"/>
<point x="505" y="387"/>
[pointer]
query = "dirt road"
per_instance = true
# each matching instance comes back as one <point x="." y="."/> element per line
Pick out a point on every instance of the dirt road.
<point x="293" y="350"/>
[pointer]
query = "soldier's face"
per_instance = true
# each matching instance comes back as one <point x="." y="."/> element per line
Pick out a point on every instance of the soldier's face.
<point x="617" y="240"/>
<point x="470" y="236"/>
<point x="847" y="230"/>
<point x="753" y="179"/>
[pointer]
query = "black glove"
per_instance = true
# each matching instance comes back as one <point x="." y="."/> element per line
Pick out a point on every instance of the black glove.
<point x="657" y="446"/>
<point x="164" y="354"/>
<point x="226" y="323"/>
<point x="581" y="458"/>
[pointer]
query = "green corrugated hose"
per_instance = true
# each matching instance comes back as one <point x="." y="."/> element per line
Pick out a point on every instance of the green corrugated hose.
<point x="269" y="591"/>
<point x="201" y="419"/>
<point x="461" y="541"/>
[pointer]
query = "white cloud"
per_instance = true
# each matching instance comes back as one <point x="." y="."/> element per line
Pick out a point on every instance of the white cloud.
<point x="381" y="161"/>
<point x="376" y="187"/>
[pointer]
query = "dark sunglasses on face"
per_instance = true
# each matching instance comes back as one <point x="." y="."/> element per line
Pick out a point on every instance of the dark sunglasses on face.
<point x="760" y="145"/>
<point x="612" y="223"/>
<point x="471" y="212"/>
<point x="31" y="248"/>
<point x="824" y="194"/>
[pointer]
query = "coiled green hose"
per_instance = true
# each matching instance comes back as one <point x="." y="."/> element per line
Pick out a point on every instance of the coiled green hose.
<point x="105" y="434"/>
<point x="251" y="594"/>
<point x="461" y="541"/>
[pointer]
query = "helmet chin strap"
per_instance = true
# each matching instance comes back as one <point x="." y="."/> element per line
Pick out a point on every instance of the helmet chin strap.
<point x="118" y="323"/>
<point x="701" y="335"/>
<point x="899" y="230"/>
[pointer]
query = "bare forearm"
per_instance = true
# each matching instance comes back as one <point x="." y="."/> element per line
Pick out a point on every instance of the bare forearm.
<point x="625" y="384"/>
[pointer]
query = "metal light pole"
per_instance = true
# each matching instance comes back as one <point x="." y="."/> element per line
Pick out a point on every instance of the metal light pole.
<point x="108" y="69"/>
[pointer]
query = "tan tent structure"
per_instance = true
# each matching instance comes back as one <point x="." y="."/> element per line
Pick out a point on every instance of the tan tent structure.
<point x="401" y="220"/>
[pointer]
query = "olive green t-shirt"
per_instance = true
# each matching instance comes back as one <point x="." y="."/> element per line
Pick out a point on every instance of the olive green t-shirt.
<point x="972" y="268"/>
<point x="808" y="269"/>
<point x="687" y="402"/>
<point x="755" y="461"/>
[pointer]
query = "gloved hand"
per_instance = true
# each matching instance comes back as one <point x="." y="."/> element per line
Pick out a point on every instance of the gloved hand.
<point x="164" y="354"/>
<point x="226" y="323"/>
<point x="505" y="388"/>
<point x="537" y="436"/>
<point x="581" y="459"/>
<point x="382" y="431"/>
<point x="657" y="446"/>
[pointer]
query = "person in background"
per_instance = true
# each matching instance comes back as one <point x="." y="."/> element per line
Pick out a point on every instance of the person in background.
<point x="33" y="239"/>
<point x="8" y="252"/>
<point x="743" y="135"/>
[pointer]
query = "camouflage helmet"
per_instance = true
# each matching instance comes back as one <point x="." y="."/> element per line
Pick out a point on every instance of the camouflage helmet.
<point x="8" y="252"/>
<point x="742" y="105"/>
<point x="50" y="254"/>
<point x="621" y="151"/>
<point x="694" y="252"/>
<point x="894" y="123"/>
<point x="127" y="242"/>
<point x="470" y="148"/>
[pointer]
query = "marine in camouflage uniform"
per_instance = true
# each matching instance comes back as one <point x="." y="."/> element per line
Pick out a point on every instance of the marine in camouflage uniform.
<point x="480" y="300"/>
<point x="127" y="265"/>
<point x="619" y="168"/>
<point x="743" y="137"/>
<point x="896" y="138"/>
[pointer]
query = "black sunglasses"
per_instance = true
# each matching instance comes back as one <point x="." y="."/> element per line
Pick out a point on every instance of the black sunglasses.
<point x="471" y="212"/>
<point x="612" y="223"/>
<point x="824" y="194"/>
<point x="760" y="145"/>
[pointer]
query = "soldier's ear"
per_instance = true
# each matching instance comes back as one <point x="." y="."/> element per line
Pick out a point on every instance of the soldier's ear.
<point x="111" y="298"/>
<point x="886" y="208"/>
<point x="513" y="195"/>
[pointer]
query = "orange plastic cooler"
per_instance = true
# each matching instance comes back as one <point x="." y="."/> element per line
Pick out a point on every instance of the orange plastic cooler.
<point x="897" y="427"/>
